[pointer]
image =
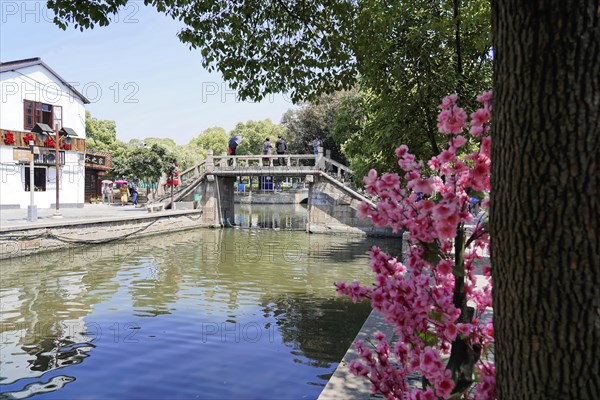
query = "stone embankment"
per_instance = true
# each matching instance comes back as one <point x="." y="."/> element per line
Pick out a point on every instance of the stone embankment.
<point x="19" y="239"/>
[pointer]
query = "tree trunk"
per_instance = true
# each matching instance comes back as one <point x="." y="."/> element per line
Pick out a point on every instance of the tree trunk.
<point x="545" y="198"/>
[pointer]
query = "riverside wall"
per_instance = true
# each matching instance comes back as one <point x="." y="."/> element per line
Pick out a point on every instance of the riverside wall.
<point x="23" y="240"/>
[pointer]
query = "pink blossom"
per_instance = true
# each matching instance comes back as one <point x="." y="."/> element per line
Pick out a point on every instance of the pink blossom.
<point x="428" y="359"/>
<point x="444" y="388"/>
<point x="486" y="146"/>
<point x="444" y="210"/>
<point x="370" y="179"/>
<point x="476" y="130"/>
<point x="452" y="121"/>
<point x="480" y="117"/>
<point x="401" y="151"/>
<point x="434" y="163"/>
<point x="416" y="295"/>
<point x="422" y="185"/>
<point x="390" y="180"/>
<point x="358" y="369"/>
<point x="464" y="329"/>
<point x="362" y="210"/>
<point x="457" y="141"/>
<point x="485" y="98"/>
<point x="447" y="156"/>
<point x="450" y="332"/>
<point x="449" y="101"/>
<point x="445" y="267"/>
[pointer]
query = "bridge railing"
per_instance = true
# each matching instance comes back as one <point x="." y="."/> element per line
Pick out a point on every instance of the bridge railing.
<point x="227" y="162"/>
<point x="334" y="168"/>
<point x="193" y="172"/>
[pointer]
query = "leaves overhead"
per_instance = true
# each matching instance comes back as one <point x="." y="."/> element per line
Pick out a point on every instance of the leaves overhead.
<point x="259" y="47"/>
<point x="402" y="55"/>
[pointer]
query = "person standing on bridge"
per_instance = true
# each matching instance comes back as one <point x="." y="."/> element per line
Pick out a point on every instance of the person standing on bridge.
<point x="267" y="146"/>
<point x="316" y="143"/>
<point x="280" y="147"/>
<point x="232" y="146"/>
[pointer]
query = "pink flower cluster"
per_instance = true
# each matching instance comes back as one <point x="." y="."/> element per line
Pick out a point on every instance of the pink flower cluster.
<point x="416" y="294"/>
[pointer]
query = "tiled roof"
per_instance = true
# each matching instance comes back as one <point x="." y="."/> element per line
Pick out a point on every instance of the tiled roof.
<point x="29" y="62"/>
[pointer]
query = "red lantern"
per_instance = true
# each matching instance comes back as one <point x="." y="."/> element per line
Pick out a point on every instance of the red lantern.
<point x="172" y="182"/>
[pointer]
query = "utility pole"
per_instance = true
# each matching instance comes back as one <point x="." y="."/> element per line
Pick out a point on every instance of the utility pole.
<point x="32" y="210"/>
<point x="57" y="213"/>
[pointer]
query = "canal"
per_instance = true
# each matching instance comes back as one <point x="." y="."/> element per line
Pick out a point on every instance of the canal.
<point x="242" y="313"/>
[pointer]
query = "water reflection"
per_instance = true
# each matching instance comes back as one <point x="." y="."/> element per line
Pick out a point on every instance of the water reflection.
<point x="264" y="216"/>
<point x="309" y="325"/>
<point x="179" y="315"/>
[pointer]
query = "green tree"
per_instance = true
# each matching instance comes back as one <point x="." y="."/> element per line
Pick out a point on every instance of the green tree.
<point x="101" y="135"/>
<point x="254" y="134"/>
<point x="318" y="119"/>
<point x="215" y="139"/>
<point x="407" y="54"/>
<point x="147" y="164"/>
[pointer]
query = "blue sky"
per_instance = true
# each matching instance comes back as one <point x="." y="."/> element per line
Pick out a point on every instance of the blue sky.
<point x="135" y="72"/>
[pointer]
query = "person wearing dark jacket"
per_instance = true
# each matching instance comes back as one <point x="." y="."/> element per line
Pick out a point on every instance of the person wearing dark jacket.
<point x="280" y="147"/>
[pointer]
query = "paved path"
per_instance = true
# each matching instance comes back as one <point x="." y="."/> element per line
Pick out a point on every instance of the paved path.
<point x="18" y="217"/>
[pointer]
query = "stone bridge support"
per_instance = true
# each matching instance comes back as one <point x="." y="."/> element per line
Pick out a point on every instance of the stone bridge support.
<point x="216" y="200"/>
<point x="332" y="208"/>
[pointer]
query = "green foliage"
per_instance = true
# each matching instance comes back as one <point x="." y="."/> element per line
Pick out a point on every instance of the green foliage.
<point x="147" y="164"/>
<point x="100" y="134"/>
<point x="320" y="119"/>
<point x="403" y="55"/>
<point x="215" y="139"/>
<point x="259" y="47"/>
<point x="254" y="134"/>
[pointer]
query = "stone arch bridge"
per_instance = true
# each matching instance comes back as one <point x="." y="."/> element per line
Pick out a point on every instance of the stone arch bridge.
<point x="332" y="201"/>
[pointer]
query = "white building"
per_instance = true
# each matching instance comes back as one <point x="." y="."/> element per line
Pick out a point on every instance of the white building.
<point x="32" y="93"/>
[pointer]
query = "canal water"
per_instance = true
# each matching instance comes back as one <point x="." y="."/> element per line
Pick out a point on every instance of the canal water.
<point x="242" y="313"/>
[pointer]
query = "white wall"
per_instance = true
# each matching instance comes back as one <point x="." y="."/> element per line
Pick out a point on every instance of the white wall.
<point x="12" y="181"/>
<point x="42" y="86"/>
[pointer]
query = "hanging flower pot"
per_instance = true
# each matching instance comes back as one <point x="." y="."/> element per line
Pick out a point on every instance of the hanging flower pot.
<point x="49" y="142"/>
<point x="66" y="146"/>
<point x="9" y="138"/>
<point x="28" y="138"/>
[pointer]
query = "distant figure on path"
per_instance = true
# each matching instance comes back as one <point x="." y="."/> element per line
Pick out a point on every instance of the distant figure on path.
<point x="124" y="192"/>
<point x="280" y="147"/>
<point x="134" y="193"/>
<point x="107" y="194"/>
<point x="267" y="146"/>
<point x="316" y="143"/>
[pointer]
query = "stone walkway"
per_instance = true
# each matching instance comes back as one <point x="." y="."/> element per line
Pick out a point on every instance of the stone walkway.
<point x="18" y="217"/>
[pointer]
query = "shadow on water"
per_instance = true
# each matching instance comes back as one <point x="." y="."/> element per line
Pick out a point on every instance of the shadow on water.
<point x="172" y="315"/>
<point x="309" y="325"/>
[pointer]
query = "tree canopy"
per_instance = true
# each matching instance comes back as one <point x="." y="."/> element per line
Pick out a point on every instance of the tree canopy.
<point x="402" y="55"/>
<point x="215" y="139"/>
<point x="254" y="134"/>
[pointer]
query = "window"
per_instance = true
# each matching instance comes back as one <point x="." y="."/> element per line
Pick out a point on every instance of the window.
<point x="48" y="114"/>
<point x="39" y="178"/>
